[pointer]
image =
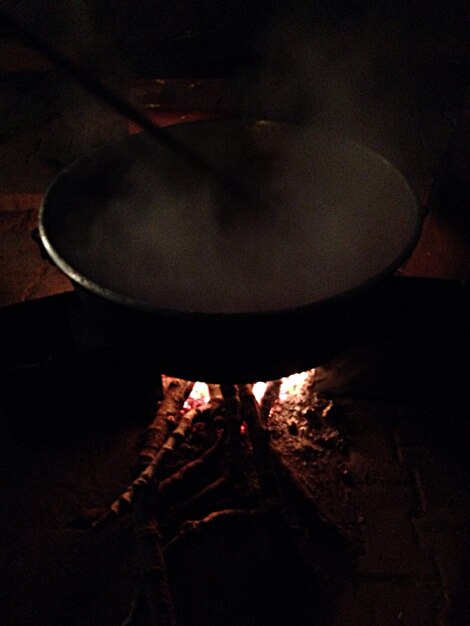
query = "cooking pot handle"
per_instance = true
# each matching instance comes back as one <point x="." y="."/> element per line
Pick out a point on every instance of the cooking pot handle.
<point x="35" y="236"/>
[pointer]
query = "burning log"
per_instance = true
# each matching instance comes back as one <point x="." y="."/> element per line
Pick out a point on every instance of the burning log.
<point x="155" y="435"/>
<point x="270" y="396"/>
<point x="186" y="480"/>
<point x="259" y="437"/>
<point x="153" y="586"/>
<point x="151" y="441"/>
<point x="233" y="445"/>
<point x="149" y="474"/>
<point x="273" y="471"/>
<point x="209" y="486"/>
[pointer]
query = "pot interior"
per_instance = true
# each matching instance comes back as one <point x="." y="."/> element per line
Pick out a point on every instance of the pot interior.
<point x="139" y="224"/>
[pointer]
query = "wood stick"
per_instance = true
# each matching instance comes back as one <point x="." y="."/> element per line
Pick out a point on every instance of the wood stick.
<point x="185" y="478"/>
<point x="270" y="396"/>
<point x="214" y="391"/>
<point x="153" y="587"/>
<point x="190" y="474"/>
<point x="214" y="488"/>
<point x="232" y="187"/>
<point x="233" y="442"/>
<point x="148" y="475"/>
<point x="152" y="564"/>
<point x="259" y="437"/>
<point x="216" y="517"/>
<point x="137" y="600"/>
<point x="167" y="415"/>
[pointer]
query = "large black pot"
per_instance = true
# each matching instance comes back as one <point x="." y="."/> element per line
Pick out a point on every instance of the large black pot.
<point x="211" y="289"/>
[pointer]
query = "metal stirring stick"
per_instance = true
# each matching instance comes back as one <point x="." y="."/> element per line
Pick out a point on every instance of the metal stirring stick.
<point x="230" y="186"/>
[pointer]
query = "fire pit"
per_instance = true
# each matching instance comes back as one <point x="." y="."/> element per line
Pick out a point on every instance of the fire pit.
<point x="210" y="474"/>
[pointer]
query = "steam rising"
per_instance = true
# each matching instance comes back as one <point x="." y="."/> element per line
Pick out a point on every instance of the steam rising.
<point x="333" y="216"/>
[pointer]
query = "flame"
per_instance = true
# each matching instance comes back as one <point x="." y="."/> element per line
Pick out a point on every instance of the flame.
<point x="198" y="396"/>
<point x="258" y="390"/>
<point x="292" y="385"/>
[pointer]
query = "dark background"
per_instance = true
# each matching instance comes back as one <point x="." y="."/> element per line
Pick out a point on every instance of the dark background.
<point x="216" y="37"/>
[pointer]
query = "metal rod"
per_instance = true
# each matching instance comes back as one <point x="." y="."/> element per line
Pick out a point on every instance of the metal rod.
<point x="121" y="105"/>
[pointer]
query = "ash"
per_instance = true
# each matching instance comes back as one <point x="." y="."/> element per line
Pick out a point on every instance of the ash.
<point x="309" y="431"/>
